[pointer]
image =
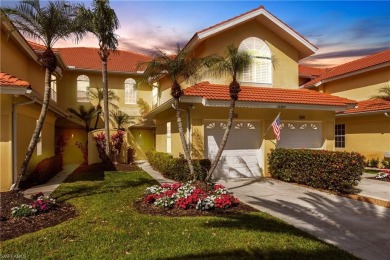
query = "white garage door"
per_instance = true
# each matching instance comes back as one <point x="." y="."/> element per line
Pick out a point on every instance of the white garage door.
<point x="300" y="135"/>
<point x="242" y="156"/>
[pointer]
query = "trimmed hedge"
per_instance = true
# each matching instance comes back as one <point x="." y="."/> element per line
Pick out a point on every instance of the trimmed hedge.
<point x="177" y="168"/>
<point x="44" y="171"/>
<point x="339" y="171"/>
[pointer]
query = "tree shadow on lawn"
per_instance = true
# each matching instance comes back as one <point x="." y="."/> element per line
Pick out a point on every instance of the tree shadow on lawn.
<point x="98" y="182"/>
<point x="261" y="253"/>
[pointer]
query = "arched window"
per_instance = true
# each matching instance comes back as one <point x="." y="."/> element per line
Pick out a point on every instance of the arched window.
<point x="130" y="91"/>
<point x="260" y="70"/>
<point x="82" y="88"/>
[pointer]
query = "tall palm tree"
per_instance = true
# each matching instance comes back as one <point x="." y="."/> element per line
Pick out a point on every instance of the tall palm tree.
<point x="384" y="93"/>
<point x="85" y="115"/>
<point x="181" y="66"/>
<point x="102" y="21"/>
<point x="56" y="20"/>
<point x="230" y="65"/>
<point x="97" y="94"/>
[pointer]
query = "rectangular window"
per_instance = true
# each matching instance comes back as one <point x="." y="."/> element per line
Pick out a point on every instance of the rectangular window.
<point x="39" y="144"/>
<point x="82" y="88"/>
<point x="169" y="142"/>
<point x="339" y="136"/>
<point x="53" y="86"/>
<point x="155" y="98"/>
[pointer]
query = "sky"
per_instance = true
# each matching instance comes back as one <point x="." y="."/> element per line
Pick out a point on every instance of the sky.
<point x="342" y="30"/>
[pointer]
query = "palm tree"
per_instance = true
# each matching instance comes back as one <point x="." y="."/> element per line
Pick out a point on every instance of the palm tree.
<point x="230" y="65"/>
<point x="181" y="66"/>
<point x="384" y="93"/>
<point x="97" y="94"/>
<point x="85" y="115"/>
<point x="102" y="22"/>
<point x="49" y="23"/>
<point x="120" y="118"/>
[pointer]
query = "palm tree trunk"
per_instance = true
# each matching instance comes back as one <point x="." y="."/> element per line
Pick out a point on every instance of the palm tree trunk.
<point x="186" y="149"/>
<point x="224" y="139"/>
<point x="105" y="105"/>
<point x="97" y="120"/>
<point x="37" y="131"/>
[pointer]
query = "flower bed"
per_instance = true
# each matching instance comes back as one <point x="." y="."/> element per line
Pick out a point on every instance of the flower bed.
<point x="39" y="204"/>
<point x="190" y="195"/>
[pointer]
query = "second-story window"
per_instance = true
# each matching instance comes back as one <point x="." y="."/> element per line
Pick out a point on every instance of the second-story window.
<point x="53" y="86"/>
<point x="260" y="70"/>
<point x="130" y="91"/>
<point x="155" y="99"/>
<point x="82" y="88"/>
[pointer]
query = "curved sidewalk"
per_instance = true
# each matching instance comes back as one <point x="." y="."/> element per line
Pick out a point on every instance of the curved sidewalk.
<point x="360" y="228"/>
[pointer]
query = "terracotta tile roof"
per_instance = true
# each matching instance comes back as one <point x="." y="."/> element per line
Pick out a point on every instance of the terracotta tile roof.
<point x="7" y="80"/>
<point x="88" y="58"/>
<point x="310" y="71"/>
<point x="369" y="105"/>
<point x="268" y="95"/>
<point x="353" y="66"/>
<point x="36" y="46"/>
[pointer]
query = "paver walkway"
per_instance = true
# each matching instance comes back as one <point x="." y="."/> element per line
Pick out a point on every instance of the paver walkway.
<point x="360" y="228"/>
<point x="53" y="183"/>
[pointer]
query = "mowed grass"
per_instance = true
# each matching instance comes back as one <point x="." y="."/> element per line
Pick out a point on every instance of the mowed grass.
<point x="108" y="227"/>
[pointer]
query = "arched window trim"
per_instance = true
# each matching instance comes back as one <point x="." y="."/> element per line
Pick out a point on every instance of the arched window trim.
<point x="130" y="91"/>
<point x="83" y="84"/>
<point x="260" y="70"/>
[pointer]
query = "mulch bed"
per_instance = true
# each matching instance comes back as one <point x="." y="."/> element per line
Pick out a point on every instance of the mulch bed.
<point x="14" y="227"/>
<point x="150" y="209"/>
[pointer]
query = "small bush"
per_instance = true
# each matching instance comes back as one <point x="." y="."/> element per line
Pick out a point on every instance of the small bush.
<point x="372" y="163"/>
<point x="177" y="168"/>
<point x="44" y="171"/>
<point x="386" y="164"/>
<point x="339" y="171"/>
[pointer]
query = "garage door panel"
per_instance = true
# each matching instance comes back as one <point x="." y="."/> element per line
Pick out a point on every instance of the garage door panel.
<point x="301" y="135"/>
<point x="240" y="157"/>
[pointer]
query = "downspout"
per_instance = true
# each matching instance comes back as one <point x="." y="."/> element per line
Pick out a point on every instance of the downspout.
<point x="14" y="144"/>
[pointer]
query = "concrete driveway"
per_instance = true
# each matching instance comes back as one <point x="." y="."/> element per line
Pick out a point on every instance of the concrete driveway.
<point x="360" y="228"/>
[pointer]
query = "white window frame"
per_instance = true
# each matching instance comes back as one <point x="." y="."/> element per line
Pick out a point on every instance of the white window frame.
<point x="260" y="70"/>
<point x="53" y="88"/>
<point x="39" y="143"/>
<point x="83" y="84"/>
<point x="169" y="137"/>
<point x="130" y="91"/>
<point x="339" y="136"/>
<point x="155" y="98"/>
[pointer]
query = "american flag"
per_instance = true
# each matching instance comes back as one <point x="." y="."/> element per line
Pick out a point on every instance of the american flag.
<point x="276" y="126"/>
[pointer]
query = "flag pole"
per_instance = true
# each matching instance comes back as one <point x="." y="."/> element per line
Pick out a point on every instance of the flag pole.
<point x="271" y="125"/>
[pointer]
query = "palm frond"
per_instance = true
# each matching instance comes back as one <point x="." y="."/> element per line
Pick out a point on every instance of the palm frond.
<point x="383" y="93"/>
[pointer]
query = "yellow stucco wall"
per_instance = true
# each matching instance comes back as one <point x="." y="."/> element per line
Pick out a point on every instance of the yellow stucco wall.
<point x="142" y="141"/>
<point x="285" y="57"/>
<point x="72" y="154"/>
<point x="368" y="135"/>
<point x="26" y="122"/>
<point x="5" y="142"/>
<point x="16" y="62"/>
<point x="359" y="87"/>
<point x="67" y="90"/>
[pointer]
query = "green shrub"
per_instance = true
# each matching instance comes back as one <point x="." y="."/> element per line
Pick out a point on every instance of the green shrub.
<point x="177" y="168"/>
<point x="372" y="163"/>
<point x="386" y="163"/>
<point x="339" y="171"/>
<point x="44" y="171"/>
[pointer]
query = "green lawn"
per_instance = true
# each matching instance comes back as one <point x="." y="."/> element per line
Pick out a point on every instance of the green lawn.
<point x="108" y="227"/>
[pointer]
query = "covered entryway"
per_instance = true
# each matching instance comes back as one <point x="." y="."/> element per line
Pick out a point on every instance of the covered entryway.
<point x="300" y="134"/>
<point x="243" y="155"/>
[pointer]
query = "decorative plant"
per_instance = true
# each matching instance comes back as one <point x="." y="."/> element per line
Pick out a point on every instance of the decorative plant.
<point x="40" y="204"/>
<point x="116" y="144"/>
<point x="186" y="196"/>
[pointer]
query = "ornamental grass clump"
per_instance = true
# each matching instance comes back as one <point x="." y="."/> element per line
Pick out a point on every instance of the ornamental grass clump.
<point x="189" y="196"/>
<point x="39" y="204"/>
